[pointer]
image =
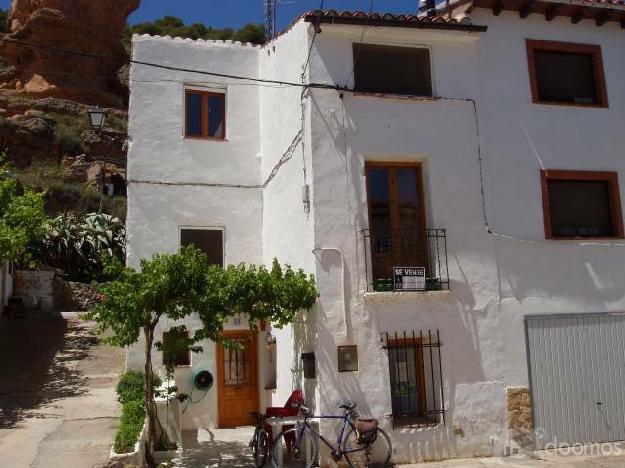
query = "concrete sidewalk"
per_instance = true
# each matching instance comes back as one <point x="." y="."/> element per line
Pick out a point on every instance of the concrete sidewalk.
<point x="58" y="406"/>
<point x="539" y="459"/>
<point x="228" y="448"/>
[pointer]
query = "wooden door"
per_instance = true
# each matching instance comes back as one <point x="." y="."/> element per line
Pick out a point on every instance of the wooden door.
<point x="396" y="217"/>
<point x="237" y="380"/>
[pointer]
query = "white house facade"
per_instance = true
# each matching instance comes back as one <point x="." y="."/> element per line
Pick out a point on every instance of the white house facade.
<point x="470" y="158"/>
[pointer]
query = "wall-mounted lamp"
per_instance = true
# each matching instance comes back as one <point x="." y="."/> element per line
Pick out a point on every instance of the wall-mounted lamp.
<point x="96" y="117"/>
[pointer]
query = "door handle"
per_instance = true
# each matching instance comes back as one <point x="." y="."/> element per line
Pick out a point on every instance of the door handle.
<point x="599" y="403"/>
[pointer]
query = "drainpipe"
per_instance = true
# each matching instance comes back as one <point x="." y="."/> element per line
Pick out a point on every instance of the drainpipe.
<point x="340" y="252"/>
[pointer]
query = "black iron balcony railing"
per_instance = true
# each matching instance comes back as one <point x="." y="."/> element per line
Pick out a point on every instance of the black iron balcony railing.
<point x="421" y="249"/>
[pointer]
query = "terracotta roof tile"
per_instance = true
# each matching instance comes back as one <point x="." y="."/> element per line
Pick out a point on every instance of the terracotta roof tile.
<point x="390" y="19"/>
<point x="606" y="2"/>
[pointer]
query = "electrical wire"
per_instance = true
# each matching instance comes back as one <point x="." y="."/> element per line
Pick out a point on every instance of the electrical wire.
<point x="303" y="105"/>
<point x="286" y="156"/>
<point x="299" y="137"/>
<point x="312" y="42"/>
<point x="54" y="48"/>
<point x="181" y="69"/>
<point x="487" y="225"/>
<point x="362" y="37"/>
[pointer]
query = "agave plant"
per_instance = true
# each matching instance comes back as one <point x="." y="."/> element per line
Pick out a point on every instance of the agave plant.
<point x="78" y="244"/>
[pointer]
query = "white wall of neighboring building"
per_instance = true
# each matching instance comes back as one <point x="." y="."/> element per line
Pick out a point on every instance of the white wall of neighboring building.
<point x="557" y="276"/>
<point x="494" y="282"/>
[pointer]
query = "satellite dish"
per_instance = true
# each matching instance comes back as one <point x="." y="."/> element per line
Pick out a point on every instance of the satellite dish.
<point x="203" y="380"/>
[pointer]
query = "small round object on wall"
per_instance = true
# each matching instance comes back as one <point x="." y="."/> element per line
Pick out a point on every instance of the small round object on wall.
<point x="203" y="380"/>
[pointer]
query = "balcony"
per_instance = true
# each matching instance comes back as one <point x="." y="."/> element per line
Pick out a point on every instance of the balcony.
<point x="423" y="252"/>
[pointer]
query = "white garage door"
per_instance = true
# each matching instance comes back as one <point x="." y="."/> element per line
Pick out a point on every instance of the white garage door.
<point x="577" y="378"/>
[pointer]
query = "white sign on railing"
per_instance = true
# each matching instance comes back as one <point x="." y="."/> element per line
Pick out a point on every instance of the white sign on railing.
<point x="409" y="278"/>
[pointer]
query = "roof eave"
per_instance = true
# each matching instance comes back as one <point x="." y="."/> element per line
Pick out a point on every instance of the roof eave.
<point x="616" y="9"/>
<point x="392" y="23"/>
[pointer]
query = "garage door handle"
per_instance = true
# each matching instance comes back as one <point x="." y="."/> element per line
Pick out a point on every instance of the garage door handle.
<point x="599" y="403"/>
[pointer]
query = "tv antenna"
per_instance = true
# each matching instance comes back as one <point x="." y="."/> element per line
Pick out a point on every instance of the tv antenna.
<point x="270" y="18"/>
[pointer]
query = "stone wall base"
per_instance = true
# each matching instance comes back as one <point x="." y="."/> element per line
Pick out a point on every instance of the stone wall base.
<point x="520" y="424"/>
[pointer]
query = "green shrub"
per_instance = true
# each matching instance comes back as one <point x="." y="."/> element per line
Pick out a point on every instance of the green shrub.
<point x="116" y="123"/>
<point x="131" y="395"/>
<point x="69" y="140"/>
<point x="133" y="416"/>
<point x="130" y="387"/>
<point x="68" y="131"/>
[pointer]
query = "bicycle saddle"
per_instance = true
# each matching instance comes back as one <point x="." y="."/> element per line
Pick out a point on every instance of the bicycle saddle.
<point x="347" y="406"/>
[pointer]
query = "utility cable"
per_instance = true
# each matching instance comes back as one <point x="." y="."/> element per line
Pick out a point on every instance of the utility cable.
<point x="299" y="137"/>
<point x="362" y="37"/>
<point x="286" y="156"/>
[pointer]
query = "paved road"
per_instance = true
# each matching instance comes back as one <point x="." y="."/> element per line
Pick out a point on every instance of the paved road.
<point x="57" y="401"/>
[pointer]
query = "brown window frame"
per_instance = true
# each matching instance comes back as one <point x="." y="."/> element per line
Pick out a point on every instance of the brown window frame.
<point x="357" y="50"/>
<point x="615" y="199"/>
<point x="567" y="47"/>
<point x="393" y="204"/>
<point x="205" y="228"/>
<point x="416" y="346"/>
<point x="205" y="95"/>
<point x="176" y="364"/>
<point x="396" y="228"/>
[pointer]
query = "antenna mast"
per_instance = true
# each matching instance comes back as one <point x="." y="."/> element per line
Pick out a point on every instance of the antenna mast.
<point x="270" y="19"/>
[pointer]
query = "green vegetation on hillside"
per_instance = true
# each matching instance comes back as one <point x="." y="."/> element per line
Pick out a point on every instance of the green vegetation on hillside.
<point x="4" y="21"/>
<point x="175" y="27"/>
<point x="62" y="194"/>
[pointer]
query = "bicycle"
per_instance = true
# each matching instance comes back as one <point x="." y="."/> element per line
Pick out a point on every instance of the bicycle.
<point x="260" y="440"/>
<point x="297" y="446"/>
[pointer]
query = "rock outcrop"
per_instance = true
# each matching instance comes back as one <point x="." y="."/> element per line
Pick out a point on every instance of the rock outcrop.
<point x="43" y="31"/>
<point x="31" y="131"/>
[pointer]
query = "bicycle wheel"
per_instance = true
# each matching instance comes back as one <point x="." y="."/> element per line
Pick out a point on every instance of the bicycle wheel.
<point x="260" y="447"/>
<point x="374" y="455"/>
<point x="289" y="452"/>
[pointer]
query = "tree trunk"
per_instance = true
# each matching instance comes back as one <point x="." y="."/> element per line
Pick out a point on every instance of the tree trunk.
<point x="150" y="406"/>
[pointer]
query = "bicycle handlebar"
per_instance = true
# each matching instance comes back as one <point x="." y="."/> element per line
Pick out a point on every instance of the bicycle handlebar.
<point x="300" y="406"/>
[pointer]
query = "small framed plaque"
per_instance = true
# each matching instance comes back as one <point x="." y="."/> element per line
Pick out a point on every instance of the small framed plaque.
<point x="348" y="358"/>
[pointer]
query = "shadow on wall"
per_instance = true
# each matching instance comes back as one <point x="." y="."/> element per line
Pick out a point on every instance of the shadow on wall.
<point x="36" y="366"/>
<point x="461" y="320"/>
<point x="560" y="270"/>
<point x="304" y="340"/>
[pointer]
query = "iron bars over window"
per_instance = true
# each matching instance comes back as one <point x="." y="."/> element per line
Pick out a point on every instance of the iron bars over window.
<point x="415" y="367"/>
<point x="407" y="248"/>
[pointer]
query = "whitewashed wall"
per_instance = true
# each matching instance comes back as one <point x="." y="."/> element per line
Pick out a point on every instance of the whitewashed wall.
<point x="494" y="282"/>
<point x="287" y="227"/>
<point x="159" y="153"/>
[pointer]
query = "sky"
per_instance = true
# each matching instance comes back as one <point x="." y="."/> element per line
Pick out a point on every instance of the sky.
<point x="235" y="13"/>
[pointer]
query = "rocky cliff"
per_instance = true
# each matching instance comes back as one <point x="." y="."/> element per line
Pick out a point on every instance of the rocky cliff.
<point x="67" y="49"/>
<point x="60" y="57"/>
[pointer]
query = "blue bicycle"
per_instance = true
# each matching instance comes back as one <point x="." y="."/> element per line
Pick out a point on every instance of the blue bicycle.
<point x="359" y="441"/>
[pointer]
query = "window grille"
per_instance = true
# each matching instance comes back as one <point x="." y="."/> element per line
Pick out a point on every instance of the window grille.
<point x="237" y="364"/>
<point x="406" y="248"/>
<point x="416" y="382"/>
